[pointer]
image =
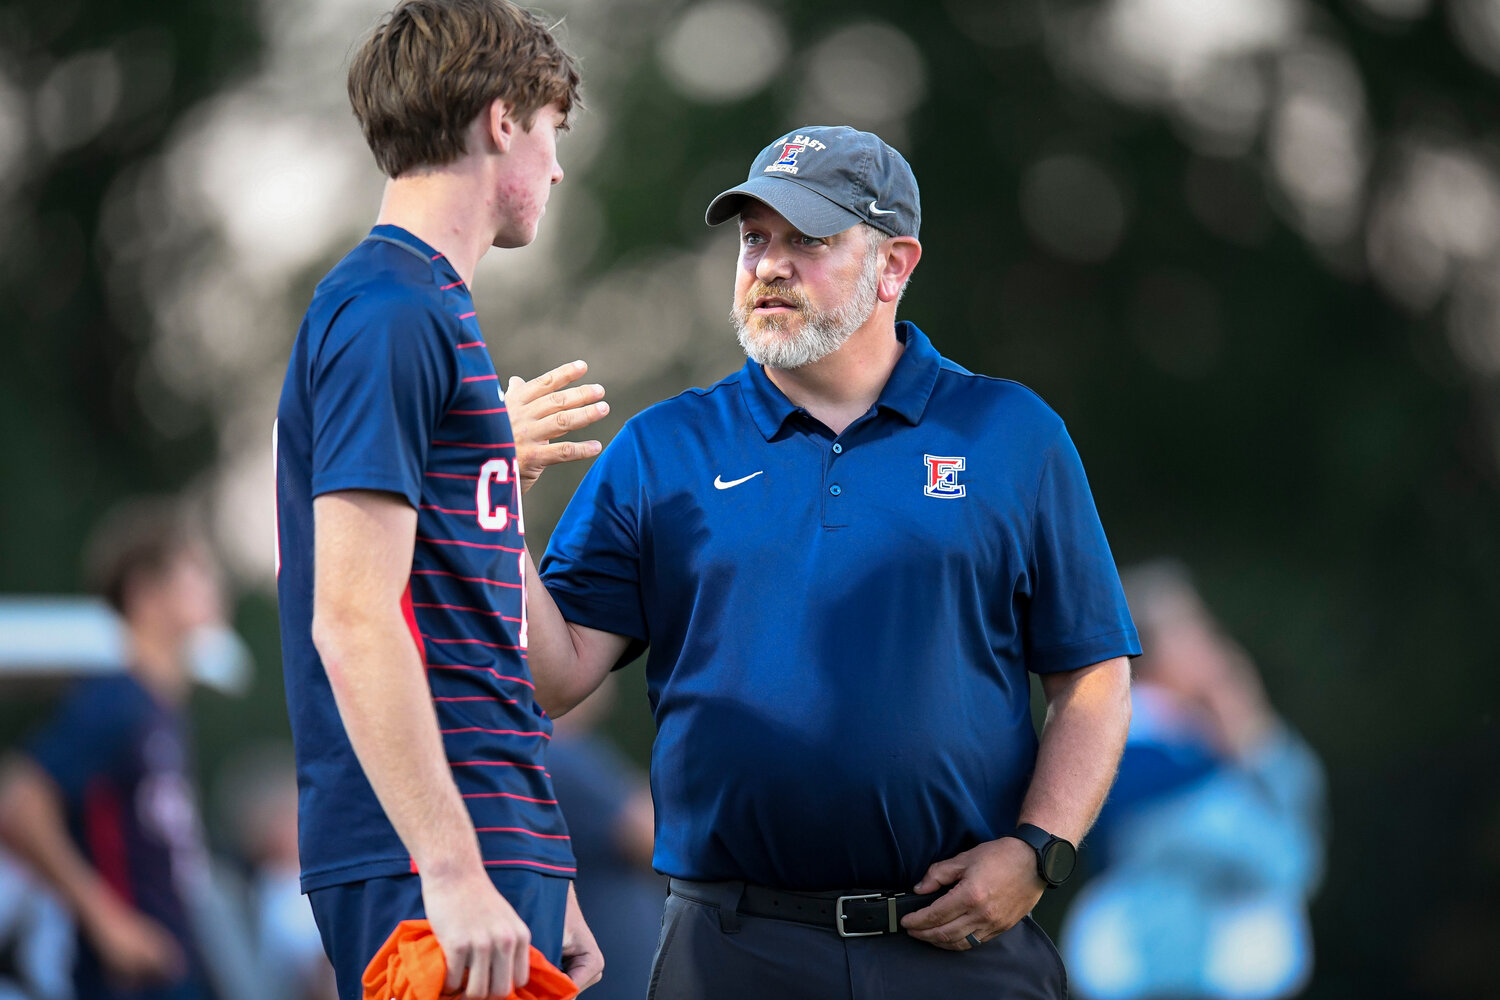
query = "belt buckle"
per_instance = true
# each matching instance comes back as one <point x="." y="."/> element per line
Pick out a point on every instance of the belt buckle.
<point x="838" y="909"/>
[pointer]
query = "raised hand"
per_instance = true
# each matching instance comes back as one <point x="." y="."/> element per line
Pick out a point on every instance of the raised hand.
<point x="546" y="408"/>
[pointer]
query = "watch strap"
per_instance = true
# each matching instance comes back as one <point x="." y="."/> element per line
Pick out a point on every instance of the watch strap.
<point x="1040" y="841"/>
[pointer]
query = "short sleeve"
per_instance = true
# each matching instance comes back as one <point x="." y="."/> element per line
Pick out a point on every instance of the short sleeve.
<point x="1077" y="614"/>
<point x="91" y="732"/>
<point x="592" y="567"/>
<point x="380" y="383"/>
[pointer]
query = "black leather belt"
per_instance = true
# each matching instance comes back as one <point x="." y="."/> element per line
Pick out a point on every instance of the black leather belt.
<point x="851" y="914"/>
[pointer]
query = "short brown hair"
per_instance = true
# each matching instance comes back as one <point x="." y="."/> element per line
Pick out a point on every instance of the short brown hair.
<point x="432" y="66"/>
<point x="139" y="538"/>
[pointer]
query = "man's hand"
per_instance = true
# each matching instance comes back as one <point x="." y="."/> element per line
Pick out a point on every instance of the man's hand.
<point x="136" y="950"/>
<point x="485" y="943"/>
<point x="581" y="958"/>
<point x="544" y="409"/>
<point x="994" y="886"/>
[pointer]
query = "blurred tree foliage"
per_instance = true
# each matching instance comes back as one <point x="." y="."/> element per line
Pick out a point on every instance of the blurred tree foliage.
<point x="1319" y="456"/>
<point x="104" y="84"/>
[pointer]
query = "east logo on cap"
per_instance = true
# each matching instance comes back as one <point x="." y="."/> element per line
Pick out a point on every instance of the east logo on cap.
<point x="824" y="179"/>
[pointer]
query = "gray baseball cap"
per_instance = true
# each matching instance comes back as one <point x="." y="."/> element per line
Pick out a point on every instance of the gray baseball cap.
<point x="824" y="179"/>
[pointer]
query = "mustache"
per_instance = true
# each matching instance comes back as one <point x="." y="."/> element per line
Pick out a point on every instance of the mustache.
<point x="761" y="290"/>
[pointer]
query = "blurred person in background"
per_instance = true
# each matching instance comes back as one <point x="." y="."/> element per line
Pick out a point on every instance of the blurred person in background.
<point x="1211" y="842"/>
<point x="99" y="802"/>
<point x="257" y="802"/>
<point x="607" y="803"/>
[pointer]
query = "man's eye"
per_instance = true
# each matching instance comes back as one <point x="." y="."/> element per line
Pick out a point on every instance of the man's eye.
<point x="751" y="239"/>
<point x="811" y="241"/>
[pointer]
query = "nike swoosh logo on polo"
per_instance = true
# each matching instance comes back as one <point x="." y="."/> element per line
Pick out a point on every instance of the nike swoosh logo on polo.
<point x="880" y="211"/>
<point x="719" y="484"/>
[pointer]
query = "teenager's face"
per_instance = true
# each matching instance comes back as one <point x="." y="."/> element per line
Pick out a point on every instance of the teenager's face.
<point x="529" y="169"/>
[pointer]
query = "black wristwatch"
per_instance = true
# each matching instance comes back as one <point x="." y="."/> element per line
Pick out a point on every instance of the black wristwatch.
<point x="1055" y="857"/>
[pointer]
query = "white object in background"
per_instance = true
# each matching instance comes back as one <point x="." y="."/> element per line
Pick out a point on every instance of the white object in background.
<point x="66" y="636"/>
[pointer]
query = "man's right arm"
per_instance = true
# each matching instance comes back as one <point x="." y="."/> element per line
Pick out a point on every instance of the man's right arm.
<point x="363" y="556"/>
<point x="567" y="660"/>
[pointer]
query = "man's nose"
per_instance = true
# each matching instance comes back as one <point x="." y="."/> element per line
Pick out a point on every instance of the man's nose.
<point x="773" y="265"/>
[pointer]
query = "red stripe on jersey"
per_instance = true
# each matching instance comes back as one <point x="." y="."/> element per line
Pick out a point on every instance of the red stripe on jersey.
<point x="104" y="832"/>
<point x="497" y="732"/>
<point x="518" y="829"/>
<point x="411" y="621"/>
<point x="465" y="579"/>
<point x="468" y="545"/>
<point x="534" y="864"/>
<point x="510" y="795"/>
<point x="445" y="510"/>
<point x="478" y="611"/>
<point x="472" y="343"/>
<point x="477" y="413"/>
<point x="490" y="670"/>
<point x="467" y="444"/>
<point x="494" y="763"/>
<point x="437" y="256"/>
<point x="450" y="475"/>
<point x="481" y="378"/>
<point x="480" y="697"/>
<point x="453" y="285"/>
<point x="468" y="642"/>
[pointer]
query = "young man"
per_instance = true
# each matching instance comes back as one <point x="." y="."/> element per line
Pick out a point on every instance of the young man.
<point x="99" y="802"/>
<point x="846" y="558"/>
<point x="419" y="746"/>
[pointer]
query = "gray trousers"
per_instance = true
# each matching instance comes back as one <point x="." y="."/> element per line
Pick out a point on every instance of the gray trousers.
<point x="709" y="951"/>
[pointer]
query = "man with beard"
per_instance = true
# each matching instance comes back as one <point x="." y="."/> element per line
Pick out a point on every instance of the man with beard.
<point x="846" y="557"/>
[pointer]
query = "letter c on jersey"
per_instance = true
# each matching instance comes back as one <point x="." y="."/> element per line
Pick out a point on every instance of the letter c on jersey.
<point x="491" y="518"/>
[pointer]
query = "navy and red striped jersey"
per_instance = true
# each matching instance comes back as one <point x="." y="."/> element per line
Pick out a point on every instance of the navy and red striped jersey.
<point x="390" y="387"/>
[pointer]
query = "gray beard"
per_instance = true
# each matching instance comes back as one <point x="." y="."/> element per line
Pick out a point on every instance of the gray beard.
<point x="822" y="332"/>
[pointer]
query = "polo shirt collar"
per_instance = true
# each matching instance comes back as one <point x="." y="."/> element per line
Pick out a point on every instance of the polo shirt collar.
<point x="906" y="392"/>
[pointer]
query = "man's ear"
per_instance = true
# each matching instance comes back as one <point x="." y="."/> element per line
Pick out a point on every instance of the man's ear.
<point x="900" y="261"/>
<point x="500" y="128"/>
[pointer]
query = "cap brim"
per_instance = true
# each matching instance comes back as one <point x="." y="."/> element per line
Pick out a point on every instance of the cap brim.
<point x="810" y="212"/>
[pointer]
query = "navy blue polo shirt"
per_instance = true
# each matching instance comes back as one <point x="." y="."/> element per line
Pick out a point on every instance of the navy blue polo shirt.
<point x="841" y="625"/>
<point x="390" y="387"/>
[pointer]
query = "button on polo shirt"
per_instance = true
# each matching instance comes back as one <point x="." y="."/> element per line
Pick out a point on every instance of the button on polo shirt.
<point x="841" y="626"/>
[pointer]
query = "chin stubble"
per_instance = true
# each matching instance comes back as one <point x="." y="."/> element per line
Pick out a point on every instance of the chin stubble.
<point x="822" y="333"/>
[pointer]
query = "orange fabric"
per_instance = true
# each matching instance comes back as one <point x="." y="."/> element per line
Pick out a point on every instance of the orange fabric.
<point x="410" y="966"/>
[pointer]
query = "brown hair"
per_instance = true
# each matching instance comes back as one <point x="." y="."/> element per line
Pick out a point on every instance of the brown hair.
<point x="139" y="538"/>
<point x="432" y="66"/>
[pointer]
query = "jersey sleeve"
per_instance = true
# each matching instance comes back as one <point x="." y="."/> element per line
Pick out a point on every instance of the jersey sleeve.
<point x="91" y="730"/>
<point x="380" y="383"/>
<point x="1077" y="614"/>
<point x="592" y="567"/>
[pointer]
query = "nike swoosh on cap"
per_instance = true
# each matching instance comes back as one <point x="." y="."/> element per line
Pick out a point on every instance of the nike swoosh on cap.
<point x="880" y="211"/>
<point x="719" y="484"/>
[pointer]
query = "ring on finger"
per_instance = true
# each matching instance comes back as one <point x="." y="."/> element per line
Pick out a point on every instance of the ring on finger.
<point x="974" y="941"/>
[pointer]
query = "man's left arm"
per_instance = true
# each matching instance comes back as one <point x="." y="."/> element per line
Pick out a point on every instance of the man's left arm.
<point x="996" y="883"/>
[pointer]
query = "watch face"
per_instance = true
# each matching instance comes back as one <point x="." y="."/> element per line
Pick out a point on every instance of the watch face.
<point x="1058" y="862"/>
